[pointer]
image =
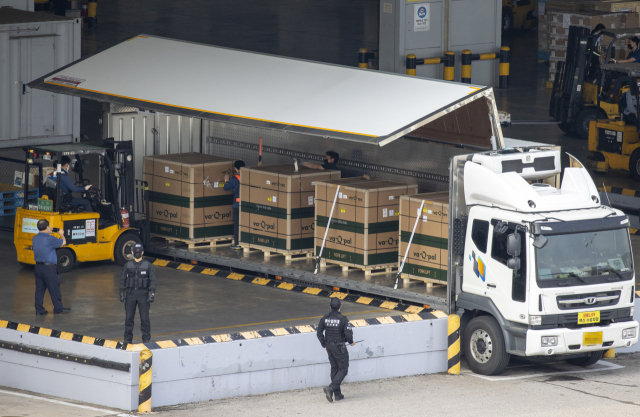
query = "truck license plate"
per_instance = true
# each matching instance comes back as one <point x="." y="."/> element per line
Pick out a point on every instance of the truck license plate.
<point x="592" y="338"/>
<point x="589" y="317"/>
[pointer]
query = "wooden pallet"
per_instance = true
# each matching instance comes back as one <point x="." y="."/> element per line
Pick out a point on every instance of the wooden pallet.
<point x="289" y="255"/>
<point x="203" y="242"/>
<point x="407" y="278"/>
<point x="368" y="269"/>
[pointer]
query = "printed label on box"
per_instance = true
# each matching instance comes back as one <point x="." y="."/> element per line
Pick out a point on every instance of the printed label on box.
<point x="166" y="169"/>
<point x="313" y="183"/>
<point x="310" y="200"/>
<point x="171" y="171"/>
<point x="424" y="218"/>
<point x="275" y="200"/>
<point x="268" y="182"/>
<point x="215" y="184"/>
<point x="342" y="210"/>
<point x="390" y="197"/>
<point x="339" y="195"/>
<point x="390" y="212"/>
<point x="384" y="213"/>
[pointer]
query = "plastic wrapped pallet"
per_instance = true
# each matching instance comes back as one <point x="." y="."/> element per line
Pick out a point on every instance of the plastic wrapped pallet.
<point x="277" y="207"/>
<point x="187" y="198"/>
<point x="365" y="222"/>
<point x="427" y="256"/>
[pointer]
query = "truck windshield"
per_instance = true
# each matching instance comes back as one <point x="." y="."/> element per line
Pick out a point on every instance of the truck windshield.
<point x="605" y="254"/>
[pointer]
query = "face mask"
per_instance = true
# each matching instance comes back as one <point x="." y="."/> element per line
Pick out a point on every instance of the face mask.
<point x="326" y="161"/>
<point x="137" y="255"/>
<point x="630" y="47"/>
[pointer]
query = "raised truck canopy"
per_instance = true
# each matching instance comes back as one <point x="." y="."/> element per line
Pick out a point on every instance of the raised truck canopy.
<point x="273" y="92"/>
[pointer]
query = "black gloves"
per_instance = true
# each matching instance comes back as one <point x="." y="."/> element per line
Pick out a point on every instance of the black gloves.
<point x="151" y="296"/>
<point x="122" y="297"/>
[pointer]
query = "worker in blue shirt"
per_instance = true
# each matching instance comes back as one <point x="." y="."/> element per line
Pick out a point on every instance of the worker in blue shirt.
<point x="67" y="186"/>
<point x="634" y="52"/>
<point x="234" y="184"/>
<point x="47" y="277"/>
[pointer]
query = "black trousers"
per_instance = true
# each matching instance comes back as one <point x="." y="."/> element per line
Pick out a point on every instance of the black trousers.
<point x="236" y="224"/>
<point x="339" y="360"/>
<point x="137" y="298"/>
<point x="47" y="277"/>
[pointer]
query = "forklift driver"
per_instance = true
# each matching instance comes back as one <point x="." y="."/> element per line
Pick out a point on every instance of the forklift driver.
<point x="67" y="186"/>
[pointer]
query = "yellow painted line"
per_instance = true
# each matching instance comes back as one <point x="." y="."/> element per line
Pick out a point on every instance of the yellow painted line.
<point x="628" y="193"/>
<point x="389" y="305"/>
<point x="185" y="267"/>
<point x="210" y="271"/>
<point x="234" y="276"/>
<point x="364" y="300"/>
<point x="305" y="329"/>
<point x="23" y="328"/>
<point x="194" y="341"/>
<point x="88" y="340"/>
<point x="66" y="336"/>
<point x="221" y="338"/>
<point x="414" y="309"/>
<point x="338" y="295"/>
<point x="161" y="262"/>
<point x="439" y="314"/>
<point x="359" y="323"/>
<point x="286" y="286"/>
<point x="211" y="112"/>
<point x="44" y="332"/>
<point x="312" y="291"/>
<point x="250" y="335"/>
<point x="166" y="344"/>
<point x="4" y="324"/>
<point x="412" y="317"/>
<point x="638" y="293"/>
<point x="261" y="281"/>
<point x="474" y="89"/>
<point x="386" y="320"/>
<point x="280" y="331"/>
<point x="110" y="344"/>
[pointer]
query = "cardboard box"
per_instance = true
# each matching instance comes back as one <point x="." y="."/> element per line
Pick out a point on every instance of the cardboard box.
<point x="428" y="252"/>
<point x="187" y="198"/>
<point x="365" y="221"/>
<point x="277" y="206"/>
<point x="614" y="6"/>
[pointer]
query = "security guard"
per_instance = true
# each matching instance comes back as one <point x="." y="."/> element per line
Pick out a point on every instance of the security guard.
<point x="138" y="288"/>
<point x="333" y="331"/>
<point x="47" y="277"/>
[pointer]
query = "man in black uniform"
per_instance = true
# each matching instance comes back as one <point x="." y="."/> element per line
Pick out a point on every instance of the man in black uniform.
<point x="333" y="331"/>
<point x="138" y="288"/>
<point x="329" y="162"/>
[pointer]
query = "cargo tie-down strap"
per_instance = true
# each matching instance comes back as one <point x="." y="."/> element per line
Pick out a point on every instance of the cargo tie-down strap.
<point x="326" y="230"/>
<point x="406" y="252"/>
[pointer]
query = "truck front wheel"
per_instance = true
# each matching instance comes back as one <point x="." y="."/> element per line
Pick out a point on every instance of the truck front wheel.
<point x="588" y="360"/>
<point x="484" y="346"/>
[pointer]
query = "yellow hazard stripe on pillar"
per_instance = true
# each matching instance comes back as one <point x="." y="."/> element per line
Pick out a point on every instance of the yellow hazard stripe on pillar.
<point x="305" y="329"/>
<point x="44" y="332"/>
<point x="193" y="341"/>
<point x="66" y="336"/>
<point x="221" y="338"/>
<point x="110" y="344"/>
<point x="88" y="340"/>
<point x="166" y="344"/>
<point x="453" y="339"/>
<point x="146" y="373"/>
<point x="23" y="328"/>
<point x="359" y="323"/>
<point x="161" y="262"/>
<point x="185" y="267"/>
<point x="385" y="320"/>
<point x="250" y="335"/>
<point x="261" y="281"/>
<point x="3" y="324"/>
<point x="280" y="332"/>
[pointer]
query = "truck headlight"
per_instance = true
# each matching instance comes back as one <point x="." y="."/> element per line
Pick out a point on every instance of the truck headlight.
<point x="535" y="320"/>
<point x="629" y="333"/>
<point x="549" y="341"/>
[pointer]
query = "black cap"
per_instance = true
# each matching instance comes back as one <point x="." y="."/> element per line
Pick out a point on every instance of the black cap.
<point x="137" y="248"/>
<point x="335" y="303"/>
<point x="238" y="164"/>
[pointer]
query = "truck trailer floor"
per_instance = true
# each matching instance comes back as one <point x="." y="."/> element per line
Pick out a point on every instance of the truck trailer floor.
<point x="186" y="305"/>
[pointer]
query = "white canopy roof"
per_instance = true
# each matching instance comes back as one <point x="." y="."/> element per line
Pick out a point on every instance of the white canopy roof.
<point x="265" y="91"/>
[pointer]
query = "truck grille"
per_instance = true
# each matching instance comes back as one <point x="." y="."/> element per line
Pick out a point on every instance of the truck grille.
<point x="571" y="320"/>
<point x="591" y="300"/>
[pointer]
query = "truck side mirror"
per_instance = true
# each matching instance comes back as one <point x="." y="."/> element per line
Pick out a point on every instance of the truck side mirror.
<point x="540" y="241"/>
<point x="513" y="244"/>
<point x="513" y="263"/>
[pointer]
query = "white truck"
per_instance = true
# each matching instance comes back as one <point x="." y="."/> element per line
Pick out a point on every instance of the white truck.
<point x="535" y="268"/>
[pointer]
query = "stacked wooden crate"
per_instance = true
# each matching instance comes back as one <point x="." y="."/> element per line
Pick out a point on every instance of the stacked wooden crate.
<point x="364" y="226"/>
<point x="277" y="207"/>
<point x="187" y="198"/>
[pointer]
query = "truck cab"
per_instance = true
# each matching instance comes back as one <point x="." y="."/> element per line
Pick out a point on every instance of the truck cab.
<point x="537" y="267"/>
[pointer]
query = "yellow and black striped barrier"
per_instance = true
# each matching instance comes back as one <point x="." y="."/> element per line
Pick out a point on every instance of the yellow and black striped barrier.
<point x="364" y="56"/>
<point x="146" y="373"/>
<point x="453" y="340"/>
<point x="503" y="56"/>
<point x="448" y="60"/>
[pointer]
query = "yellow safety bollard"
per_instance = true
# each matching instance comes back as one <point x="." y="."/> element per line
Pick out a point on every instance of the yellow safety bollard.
<point x="465" y="74"/>
<point x="453" y="338"/>
<point x="609" y="354"/>
<point x="146" y="371"/>
<point x="411" y="64"/>
<point x="449" y="66"/>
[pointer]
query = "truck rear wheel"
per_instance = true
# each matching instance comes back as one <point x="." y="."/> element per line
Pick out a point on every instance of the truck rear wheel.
<point x="484" y="346"/>
<point x="588" y="360"/>
<point x="122" y="250"/>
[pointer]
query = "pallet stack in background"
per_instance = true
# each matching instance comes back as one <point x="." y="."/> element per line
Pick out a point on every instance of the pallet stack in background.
<point x="187" y="198"/>
<point x="427" y="257"/>
<point x="555" y="17"/>
<point x="365" y="222"/>
<point x="277" y="207"/>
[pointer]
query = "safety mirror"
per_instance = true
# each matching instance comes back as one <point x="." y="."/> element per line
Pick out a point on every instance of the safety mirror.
<point x="513" y="244"/>
<point x="513" y="263"/>
<point x="539" y="242"/>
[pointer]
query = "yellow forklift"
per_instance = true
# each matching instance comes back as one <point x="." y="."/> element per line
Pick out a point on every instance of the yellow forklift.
<point x="575" y="97"/>
<point x="107" y="233"/>
<point x="614" y="143"/>
<point x="518" y="13"/>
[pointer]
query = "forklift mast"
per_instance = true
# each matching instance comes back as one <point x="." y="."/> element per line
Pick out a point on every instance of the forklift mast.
<point x="121" y="155"/>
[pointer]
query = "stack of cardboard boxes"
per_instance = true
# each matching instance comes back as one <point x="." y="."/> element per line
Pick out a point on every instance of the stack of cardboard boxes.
<point x="364" y="227"/>
<point x="277" y="207"/>
<point x="427" y="256"/>
<point x="187" y="198"/>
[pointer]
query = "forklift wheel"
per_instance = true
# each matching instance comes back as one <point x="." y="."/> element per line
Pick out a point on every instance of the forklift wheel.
<point x="122" y="250"/>
<point x="566" y="128"/>
<point x="634" y="165"/>
<point x="66" y="259"/>
<point x="582" y="120"/>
